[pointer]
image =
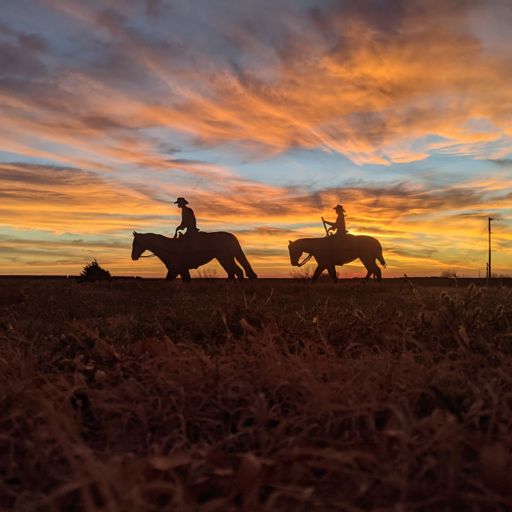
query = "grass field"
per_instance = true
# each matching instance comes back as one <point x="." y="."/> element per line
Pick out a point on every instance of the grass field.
<point x="146" y="395"/>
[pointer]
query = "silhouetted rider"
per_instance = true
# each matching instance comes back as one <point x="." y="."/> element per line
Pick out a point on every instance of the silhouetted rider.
<point x="339" y="225"/>
<point x="188" y="219"/>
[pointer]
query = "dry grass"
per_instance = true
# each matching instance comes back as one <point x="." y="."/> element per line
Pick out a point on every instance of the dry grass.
<point x="142" y="396"/>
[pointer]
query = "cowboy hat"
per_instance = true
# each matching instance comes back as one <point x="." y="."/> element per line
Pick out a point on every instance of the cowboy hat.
<point x="181" y="200"/>
<point x="339" y="207"/>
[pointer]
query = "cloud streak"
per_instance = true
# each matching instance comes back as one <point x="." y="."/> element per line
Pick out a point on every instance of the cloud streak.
<point x="348" y="77"/>
<point x="97" y="215"/>
<point x="112" y="108"/>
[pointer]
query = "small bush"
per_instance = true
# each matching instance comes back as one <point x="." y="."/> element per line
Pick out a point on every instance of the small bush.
<point x="92" y="272"/>
<point x="302" y="273"/>
<point x="206" y="273"/>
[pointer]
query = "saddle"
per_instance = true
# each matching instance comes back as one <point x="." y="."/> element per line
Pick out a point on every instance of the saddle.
<point x="338" y="235"/>
<point x="189" y="233"/>
<point x="191" y="242"/>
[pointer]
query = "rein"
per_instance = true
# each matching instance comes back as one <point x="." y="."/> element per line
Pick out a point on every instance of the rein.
<point x="305" y="260"/>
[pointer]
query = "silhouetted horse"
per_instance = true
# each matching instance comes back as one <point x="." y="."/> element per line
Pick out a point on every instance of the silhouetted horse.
<point x="338" y="250"/>
<point x="179" y="255"/>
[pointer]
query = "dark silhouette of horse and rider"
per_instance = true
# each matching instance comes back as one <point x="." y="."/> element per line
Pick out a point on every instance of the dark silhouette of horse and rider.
<point x="190" y="248"/>
<point x="337" y="248"/>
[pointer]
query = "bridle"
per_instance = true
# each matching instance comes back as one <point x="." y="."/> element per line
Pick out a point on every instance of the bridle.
<point x="149" y="255"/>
<point x="304" y="261"/>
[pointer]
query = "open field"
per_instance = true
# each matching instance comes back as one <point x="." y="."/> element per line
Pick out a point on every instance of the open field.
<point x="274" y="395"/>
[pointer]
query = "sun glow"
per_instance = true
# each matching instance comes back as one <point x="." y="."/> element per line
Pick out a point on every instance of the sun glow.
<point x="110" y="112"/>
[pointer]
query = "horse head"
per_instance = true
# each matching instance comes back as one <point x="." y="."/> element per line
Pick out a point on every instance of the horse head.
<point x="137" y="246"/>
<point x="295" y="253"/>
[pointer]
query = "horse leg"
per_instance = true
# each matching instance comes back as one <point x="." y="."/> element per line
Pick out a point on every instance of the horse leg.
<point x="171" y="275"/>
<point x="317" y="272"/>
<point x="231" y="268"/>
<point x="238" y="271"/>
<point x="332" y="273"/>
<point x="369" y="268"/>
<point x="372" y="269"/>
<point x="185" y="276"/>
<point x="240" y="258"/>
<point x="377" y="272"/>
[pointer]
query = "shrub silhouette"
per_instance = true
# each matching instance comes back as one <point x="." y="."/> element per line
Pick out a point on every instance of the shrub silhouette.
<point x="92" y="272"/>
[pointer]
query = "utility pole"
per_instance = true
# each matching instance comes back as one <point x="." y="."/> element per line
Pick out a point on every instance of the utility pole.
<point x="489" y="267"/>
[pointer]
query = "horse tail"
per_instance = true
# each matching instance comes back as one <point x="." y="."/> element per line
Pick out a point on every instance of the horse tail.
<point x="380" y="257"/>
<point x="242" y="259"/>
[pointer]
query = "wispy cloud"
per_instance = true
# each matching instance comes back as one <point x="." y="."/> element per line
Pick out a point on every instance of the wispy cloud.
<point x="64" y="198"/>
<point x="108" y="108"/>
<point x="368" y="82"/>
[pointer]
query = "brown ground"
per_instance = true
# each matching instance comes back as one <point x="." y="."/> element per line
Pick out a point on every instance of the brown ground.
<point x="147" y="395"/>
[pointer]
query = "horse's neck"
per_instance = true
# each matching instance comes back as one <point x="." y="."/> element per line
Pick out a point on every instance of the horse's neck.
<point x="159" y="245"/>
<point x="308" y="243"/>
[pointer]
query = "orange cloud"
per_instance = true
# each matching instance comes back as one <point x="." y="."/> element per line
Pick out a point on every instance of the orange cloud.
<point x="379" y="82"/>
<point x="64" y="199"/>
<point x="338" y="80"/>
<point x="419" y="229"/>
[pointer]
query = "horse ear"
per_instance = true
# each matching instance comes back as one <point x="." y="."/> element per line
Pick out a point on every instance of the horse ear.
<point x="134" y="233"/>
<point x="289" y="241"/>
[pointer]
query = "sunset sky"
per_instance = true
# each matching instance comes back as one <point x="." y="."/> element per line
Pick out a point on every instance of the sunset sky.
<point x="264" y="114"/>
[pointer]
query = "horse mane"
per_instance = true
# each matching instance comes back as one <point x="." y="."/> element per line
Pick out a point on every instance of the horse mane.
<point x="154" y="235"/>
<point x="313" y="239"/>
